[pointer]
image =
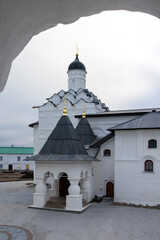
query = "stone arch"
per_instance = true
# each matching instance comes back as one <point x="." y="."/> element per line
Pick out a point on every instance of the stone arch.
<point x="82" y="175"/>
<point x="60" y="174"/>
<point x="48" y="178"/>
<point x="48" y="174"/>
<point x="63" y="184"/>
<point x="86" y="174"/>
<point x="153" y="158"/>
<point x="22" y="29"/>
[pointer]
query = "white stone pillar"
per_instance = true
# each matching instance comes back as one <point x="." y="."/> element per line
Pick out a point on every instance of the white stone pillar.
<point x="53" y="192"/>
<point x="86" y="190"/>
<point x="74" y="199"/>
<point x="41" y="196"/>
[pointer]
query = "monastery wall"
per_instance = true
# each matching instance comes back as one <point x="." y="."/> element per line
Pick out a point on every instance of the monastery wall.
<point x="103" y="170"/>
<point x="132" y="183"/>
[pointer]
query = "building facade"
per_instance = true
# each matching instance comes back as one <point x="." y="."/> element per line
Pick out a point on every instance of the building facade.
<point x="12" y="158"/>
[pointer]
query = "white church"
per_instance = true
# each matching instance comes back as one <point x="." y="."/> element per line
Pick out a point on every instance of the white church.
<point x="84" y="149"/>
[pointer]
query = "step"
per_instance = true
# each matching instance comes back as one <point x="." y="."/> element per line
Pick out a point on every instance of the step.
<point x="107" y="199"/>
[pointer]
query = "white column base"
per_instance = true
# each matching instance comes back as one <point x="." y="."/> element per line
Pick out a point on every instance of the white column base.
<point x="40" y="199"/>
<point x="87" y="195"/>
<point x="74" y="202"/>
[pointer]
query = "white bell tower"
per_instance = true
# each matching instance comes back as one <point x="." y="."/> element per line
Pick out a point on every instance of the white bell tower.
<point x="76" y="75"/>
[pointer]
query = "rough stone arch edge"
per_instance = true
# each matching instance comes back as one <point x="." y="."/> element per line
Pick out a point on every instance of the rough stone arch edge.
<point x="71" y="16"/>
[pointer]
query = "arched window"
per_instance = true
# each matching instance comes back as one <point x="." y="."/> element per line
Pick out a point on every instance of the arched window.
<point x="148" y="166"/>
<point x="107" y="153"/>
<point x="152" y="143"/>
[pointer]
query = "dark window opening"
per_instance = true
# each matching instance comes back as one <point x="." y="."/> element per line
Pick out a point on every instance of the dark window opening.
<point x="152" y="143"/>
<point x="148" y="166"/>
<point x="107" y="153"/>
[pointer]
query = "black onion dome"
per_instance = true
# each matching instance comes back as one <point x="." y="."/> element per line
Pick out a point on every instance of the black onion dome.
<point x="76" y="64"/>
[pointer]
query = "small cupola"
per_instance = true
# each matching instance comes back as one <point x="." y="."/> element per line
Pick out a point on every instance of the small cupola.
<point x="77" y="65"/>
<point x="76" y="75"/>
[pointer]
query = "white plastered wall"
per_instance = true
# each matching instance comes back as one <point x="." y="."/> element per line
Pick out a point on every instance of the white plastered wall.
<point x="132" y="183"/>
<point x="11" y="159"/>
<point x="103" y="170"/>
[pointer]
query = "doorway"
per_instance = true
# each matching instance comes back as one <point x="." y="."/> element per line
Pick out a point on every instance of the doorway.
<point x="63" y="185"/>
<point x="10" y="167"/>
<point x="110" y="189"/>
<point x="27" y="167"/>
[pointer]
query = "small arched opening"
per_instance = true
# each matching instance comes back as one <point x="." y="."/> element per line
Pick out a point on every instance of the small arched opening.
<point x="148" y="166"/>
<point x="107" y="153"/>
<point x="81" y="180"/>
<point x="48" y="179"/>
<point x="63" y="185"/>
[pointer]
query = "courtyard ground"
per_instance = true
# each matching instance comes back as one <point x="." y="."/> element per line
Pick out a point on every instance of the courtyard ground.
<point x="16" y="175"/>
<point x="101" y="221"/>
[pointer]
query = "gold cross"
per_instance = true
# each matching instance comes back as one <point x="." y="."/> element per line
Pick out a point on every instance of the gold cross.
<point x="77" y="49"/>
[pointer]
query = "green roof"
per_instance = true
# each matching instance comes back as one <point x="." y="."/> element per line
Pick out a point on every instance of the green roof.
<point x="16" y="150"/>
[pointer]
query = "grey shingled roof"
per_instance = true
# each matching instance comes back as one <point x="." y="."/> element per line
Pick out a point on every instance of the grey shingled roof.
<point x="85" y="132"/>
<point x="128" y="112"/>
<point x="33" y="124"/>
<point x="102" y="140"/>
<point x="147" y="121"/>
<point x="62" y="157"/>
<point x="63" y="144"/>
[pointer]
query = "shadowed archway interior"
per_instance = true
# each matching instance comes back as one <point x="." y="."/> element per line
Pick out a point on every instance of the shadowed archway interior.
<point x="63" y="185"/>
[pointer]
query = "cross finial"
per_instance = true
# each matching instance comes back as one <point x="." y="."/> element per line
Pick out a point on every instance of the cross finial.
<point x="77" y="49"/>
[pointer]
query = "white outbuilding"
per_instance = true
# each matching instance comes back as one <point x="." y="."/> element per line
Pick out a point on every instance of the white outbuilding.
<point x="137" y="160"/>
<point x="16" y="158"/>
<point x="64" y="160"/>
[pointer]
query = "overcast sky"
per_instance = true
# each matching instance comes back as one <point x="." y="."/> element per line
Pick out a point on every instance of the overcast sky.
<point x="121" y="52"/>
